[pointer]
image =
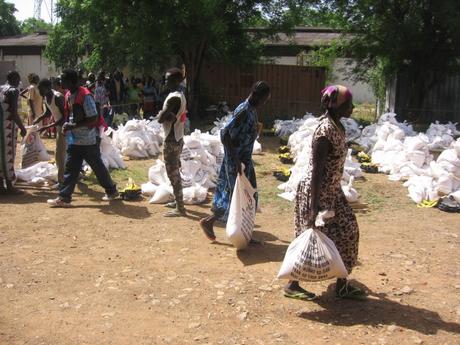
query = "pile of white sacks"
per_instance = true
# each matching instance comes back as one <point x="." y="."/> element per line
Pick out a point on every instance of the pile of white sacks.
<point x="41" y="173"/>
<point x="397" y="149"/>
<point x="111" y="155"/>
<point x="284" y="128"/>
<point x="139" y="138"/>
<point x="201" y="159"/>
<point x="406" y="156"/>
<point x="300" y="145"/>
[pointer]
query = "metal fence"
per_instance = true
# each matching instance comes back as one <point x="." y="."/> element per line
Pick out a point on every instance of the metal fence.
<point x="442" y="103"/>
<point x="294" y="89"/>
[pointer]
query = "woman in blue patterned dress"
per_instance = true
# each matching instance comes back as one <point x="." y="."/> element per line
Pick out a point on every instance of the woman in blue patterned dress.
<point x="238" y="138"/>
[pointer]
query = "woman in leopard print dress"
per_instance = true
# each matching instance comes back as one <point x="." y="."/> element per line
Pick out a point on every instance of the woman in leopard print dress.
<point x="320" y="190"/>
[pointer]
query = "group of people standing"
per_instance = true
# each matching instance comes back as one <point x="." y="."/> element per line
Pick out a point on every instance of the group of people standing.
<point x="115" y="94"/>
<point x="77" y="115"/>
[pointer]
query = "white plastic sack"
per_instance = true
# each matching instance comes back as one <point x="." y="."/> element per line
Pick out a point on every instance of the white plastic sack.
<point x="242" y="213"/>
<point x="32" y="149"/>
<point x="111" y="156"/>
<point x="456" y="195"/>
<point x="350" y="193"/>
<point x="163" y="195"/>
<point x="195" y="195"/>
<point x="148" y="189"/>
<point x="257" y="150"/>
<point x="312" y="257"/>
<point x="157" y="173"/>
<point x="39" y="172"/>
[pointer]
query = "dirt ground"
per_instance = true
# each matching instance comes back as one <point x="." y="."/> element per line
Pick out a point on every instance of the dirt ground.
<point x="120" y="273"/>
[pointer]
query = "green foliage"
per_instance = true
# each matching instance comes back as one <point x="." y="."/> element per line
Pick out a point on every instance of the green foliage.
<point x="31" y="25"/>
<point x="420" y="38"/>
<point x="143" y="33"/>
<point x="9" y="26"/>
<point x="322" y="56"/>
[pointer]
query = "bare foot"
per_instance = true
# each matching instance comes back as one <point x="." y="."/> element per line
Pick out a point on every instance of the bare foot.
<point x="206" y="226"/>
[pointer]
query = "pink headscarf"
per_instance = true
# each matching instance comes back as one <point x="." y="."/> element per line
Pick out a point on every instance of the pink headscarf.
<point x="334" y="96"/>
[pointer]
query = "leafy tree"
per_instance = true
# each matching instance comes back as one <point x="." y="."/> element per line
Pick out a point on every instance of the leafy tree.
<point x="31" y="25"/>
<point x="139" y="33"/>
<point x="419" y="38"/>
<point x="9" y="26"/>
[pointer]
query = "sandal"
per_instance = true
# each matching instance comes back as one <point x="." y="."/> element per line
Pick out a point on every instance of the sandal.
<point x="300" y="295"/>
<point x="175" y="213"/>
<point x="171" y="205"/>
<point x="348" y="291"/>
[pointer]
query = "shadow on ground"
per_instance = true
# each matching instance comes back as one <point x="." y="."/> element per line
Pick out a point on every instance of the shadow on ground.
<point x="377" y="310"/>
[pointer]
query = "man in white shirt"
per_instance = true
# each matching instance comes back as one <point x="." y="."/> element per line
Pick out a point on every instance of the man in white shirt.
<point x="173" y="117"/>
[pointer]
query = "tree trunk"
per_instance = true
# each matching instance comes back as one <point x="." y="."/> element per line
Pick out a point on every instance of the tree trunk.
<point x="193" y="61"/>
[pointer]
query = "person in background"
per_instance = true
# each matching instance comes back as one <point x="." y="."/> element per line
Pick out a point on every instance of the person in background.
<point x="117" y="92"/>
<point x="9" y="124"/>
<point x="91" y="82"/>
<point x="320" y="190"/>
<point x="54" y="103"/>
<point x="133" y="98"/>
<point x="34" y="99"/>
<point x="83" y="141"/>
<point x="101" y="98"/>
<point x="150" y="98"/>
<point x="81" y="77"/>
<point x="238" y="138"/>
<point x="57" y="85"/>
<point x="172" y="116"/>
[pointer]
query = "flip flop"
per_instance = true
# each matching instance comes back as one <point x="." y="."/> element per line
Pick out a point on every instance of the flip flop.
<point x="175" y="213"/>
<point x="171" y="205"/>
<point x="302" y="296"/>
<point x="209" y="233"/>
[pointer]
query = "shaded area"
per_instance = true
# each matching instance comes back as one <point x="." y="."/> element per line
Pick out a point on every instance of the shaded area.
<point x="375" y="311"/>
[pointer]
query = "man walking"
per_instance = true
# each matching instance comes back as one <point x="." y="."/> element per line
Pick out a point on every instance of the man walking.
<point x="81" y="129"/>
<point x="173" y="117"/>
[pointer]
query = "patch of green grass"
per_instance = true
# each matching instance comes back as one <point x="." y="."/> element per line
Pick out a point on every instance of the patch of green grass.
<point x="364" y="114"/>
<point x="137" y="170"/>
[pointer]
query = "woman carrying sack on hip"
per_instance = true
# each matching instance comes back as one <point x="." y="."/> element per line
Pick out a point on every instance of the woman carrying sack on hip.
<point x="321" y="190"/>
<point x="238" y="138"/>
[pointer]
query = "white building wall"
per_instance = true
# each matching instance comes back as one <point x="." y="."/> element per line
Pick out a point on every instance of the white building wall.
<point x="362" y="92"/>
<point x="26" y="64"/>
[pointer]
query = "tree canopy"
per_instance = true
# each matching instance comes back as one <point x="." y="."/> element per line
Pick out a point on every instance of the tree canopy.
<point x="142" y="33"/>
<point x="9" y="26"/>
<point x="31" y="25"/>
<point x="420" y="38"/>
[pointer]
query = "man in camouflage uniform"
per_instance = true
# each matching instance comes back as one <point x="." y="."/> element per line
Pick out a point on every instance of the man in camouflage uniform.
<point x="173" y="117"/>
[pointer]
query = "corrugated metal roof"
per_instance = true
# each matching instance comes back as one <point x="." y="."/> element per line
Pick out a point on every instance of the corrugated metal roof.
<point x="36" y="39"/>
<point x="303" y="36"/>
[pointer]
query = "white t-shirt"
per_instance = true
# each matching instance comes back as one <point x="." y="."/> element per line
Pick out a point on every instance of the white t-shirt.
<point x="181" y="116"/>
<point x="53" y="108"/>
